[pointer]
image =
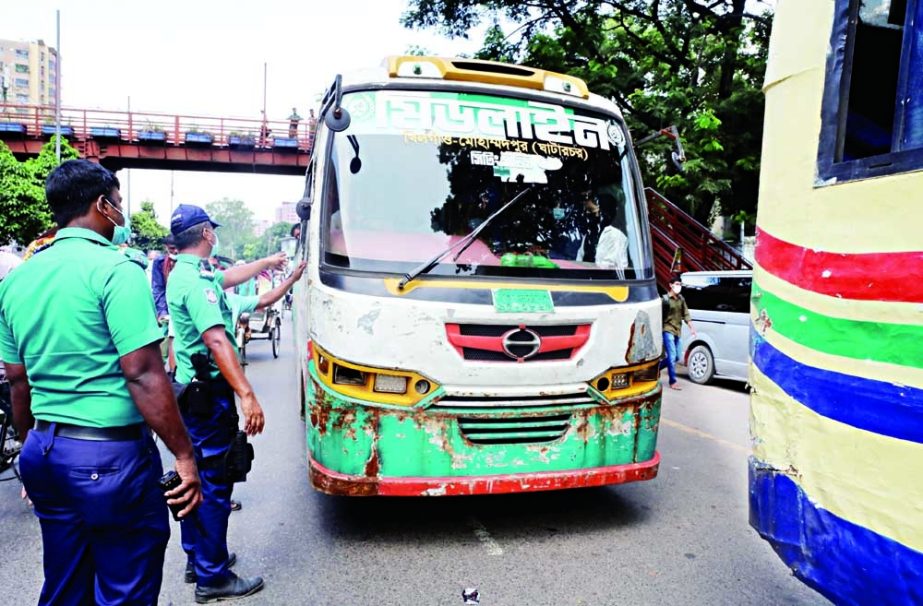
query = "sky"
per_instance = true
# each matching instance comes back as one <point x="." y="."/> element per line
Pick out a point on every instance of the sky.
<point x="205" y="57"/>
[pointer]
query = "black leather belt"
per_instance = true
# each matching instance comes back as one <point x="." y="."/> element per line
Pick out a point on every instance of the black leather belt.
<point x="124" y="433"/>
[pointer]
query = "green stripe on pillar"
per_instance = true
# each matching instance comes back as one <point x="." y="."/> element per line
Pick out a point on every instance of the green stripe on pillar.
<point x="900" y="344"/>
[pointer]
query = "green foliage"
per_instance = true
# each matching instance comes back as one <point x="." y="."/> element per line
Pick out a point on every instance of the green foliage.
<point x="269" y="242"/>
<point x="24" y="213"/>
<point x="236" y="225"/>
<point x="697" y="64"/>
<point x="147" y="233"/>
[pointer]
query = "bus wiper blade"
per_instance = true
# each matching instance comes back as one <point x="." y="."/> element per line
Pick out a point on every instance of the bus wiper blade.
<point x="461" y="245"/>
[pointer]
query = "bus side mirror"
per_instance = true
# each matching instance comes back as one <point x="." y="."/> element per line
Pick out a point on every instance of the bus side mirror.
<point x="336" y="117"/>
<point x="303" y="209"/>
<point x="678" y="155"/>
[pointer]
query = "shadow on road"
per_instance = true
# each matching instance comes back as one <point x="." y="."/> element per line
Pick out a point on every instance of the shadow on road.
<point x="569" y="512"/>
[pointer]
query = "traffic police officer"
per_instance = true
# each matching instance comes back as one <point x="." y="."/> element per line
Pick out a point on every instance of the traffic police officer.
<point x="205" y="351"/>
<point x="81" y="346"/>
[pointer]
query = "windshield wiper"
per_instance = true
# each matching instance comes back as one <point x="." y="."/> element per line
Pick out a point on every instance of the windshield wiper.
<point x="461" y="245"/>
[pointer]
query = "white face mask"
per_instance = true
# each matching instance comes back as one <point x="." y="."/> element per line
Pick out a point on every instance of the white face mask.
<point x="676" y="288"/>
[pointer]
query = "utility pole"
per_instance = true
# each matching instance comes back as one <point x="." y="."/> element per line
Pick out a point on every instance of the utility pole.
<point x="57" y="90"/>
<point x="128" y="170"/>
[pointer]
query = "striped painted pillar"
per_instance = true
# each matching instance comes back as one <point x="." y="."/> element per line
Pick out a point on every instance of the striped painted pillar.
<point x="836" y="475"/>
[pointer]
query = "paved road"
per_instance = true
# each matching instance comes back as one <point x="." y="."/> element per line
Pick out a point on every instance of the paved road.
<point x="682" y="538"/>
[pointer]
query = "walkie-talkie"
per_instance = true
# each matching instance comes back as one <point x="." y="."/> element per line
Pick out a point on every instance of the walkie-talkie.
<point x="168" y="482"/>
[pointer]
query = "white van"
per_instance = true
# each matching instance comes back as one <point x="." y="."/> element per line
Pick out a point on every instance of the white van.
<point x="719" y="302"/>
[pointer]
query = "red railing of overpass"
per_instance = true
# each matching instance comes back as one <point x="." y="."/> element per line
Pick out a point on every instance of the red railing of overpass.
<point x="172" y="129"/>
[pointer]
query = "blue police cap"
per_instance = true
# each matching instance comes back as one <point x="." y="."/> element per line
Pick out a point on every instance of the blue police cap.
<point x="188" y="215"/>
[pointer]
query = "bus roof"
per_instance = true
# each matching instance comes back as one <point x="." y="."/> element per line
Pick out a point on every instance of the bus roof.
<point x="453" y="73"/>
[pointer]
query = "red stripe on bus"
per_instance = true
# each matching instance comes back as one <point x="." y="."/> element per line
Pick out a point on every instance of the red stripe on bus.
<point x="863" y="276"/>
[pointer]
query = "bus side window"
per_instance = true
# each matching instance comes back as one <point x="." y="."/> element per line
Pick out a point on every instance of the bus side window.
<point x="872" y="115"/>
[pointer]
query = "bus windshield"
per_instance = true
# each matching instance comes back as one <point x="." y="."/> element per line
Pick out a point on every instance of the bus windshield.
<point x="417" y="171"/>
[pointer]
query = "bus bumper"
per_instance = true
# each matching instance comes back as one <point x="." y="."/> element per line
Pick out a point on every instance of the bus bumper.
<point x="335" y="483"/>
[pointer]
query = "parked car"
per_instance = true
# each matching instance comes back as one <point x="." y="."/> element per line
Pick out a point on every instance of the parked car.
<point x="719" y="302"/>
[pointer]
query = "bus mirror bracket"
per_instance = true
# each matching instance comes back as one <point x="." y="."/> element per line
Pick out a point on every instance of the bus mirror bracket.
<point x="678" y="155"/>
<point x="336" y="117"/>
<point x="303" y="209"/>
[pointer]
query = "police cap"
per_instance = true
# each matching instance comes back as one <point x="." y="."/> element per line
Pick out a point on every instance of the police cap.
<point x="188" y="215"/>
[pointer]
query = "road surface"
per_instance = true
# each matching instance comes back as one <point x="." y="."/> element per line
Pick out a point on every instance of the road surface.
<point x="682" y="538"/>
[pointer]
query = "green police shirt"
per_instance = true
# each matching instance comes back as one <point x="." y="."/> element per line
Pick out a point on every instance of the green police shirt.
<point x="197" y="302"/>
<point x="68" y="314"/>
<point x="241" y="304"/>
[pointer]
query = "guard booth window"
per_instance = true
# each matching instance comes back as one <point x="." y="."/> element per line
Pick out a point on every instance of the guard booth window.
<point x="872" y="122"/>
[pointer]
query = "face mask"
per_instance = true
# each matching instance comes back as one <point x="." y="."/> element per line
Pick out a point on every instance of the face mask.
<point x="557" y="213"/>
<point x="676" y="288"/>
<point x="216" y="246"/>
<point x="122" y="233"/>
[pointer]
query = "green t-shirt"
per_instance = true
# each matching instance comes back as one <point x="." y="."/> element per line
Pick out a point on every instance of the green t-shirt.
<point x="241" y="304"/>
<point x="197" y="302"/>
<point x="68" y="315"/>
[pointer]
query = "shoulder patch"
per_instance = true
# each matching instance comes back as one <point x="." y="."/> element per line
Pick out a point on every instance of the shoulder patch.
<point x="210" y="296"/>
<point x="208" y="275"/>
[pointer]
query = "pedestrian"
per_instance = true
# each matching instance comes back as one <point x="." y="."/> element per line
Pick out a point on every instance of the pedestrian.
<point x="207" y="365"/>
<point x="675" y="312"/>
<point x="265" y="131"/>
<point x="81" y="346"/>
<point x="160" y="271"/>
<point x="312" y="127"/>
<point x="293" y="121"/>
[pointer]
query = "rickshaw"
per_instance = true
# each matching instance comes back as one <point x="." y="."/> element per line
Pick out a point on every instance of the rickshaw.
<point x="260" y="324"/>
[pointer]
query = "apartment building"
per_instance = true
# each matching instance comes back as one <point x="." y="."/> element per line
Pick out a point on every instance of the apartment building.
<point x="27" y="73"/>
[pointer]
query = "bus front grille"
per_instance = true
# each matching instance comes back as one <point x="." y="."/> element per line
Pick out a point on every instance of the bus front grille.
<point x="506" y="404"/>
<point x="505" y="343"/>
<point x="514" y="430"/>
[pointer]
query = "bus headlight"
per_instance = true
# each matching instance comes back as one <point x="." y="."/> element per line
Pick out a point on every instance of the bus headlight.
<point x="626" y="381"/>
<point x="390" y="384"/>
<point x="374" y="385"/>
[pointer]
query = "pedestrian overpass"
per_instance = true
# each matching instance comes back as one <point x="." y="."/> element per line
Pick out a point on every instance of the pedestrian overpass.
<point x="125" y="139"/>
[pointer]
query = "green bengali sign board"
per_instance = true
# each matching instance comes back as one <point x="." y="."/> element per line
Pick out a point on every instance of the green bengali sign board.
<point x="510" y="301"/>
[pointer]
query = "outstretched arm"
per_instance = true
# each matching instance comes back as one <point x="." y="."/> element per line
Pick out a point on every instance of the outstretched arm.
<point x="279" y="291"/>
<point x="241" y="273"/>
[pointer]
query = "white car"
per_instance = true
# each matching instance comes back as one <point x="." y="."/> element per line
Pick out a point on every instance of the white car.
<point x="719" y="302"/>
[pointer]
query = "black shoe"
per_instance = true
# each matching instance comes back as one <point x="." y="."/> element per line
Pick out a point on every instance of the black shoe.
<point x="190" y="569"/>
<point x="234" y="587"/>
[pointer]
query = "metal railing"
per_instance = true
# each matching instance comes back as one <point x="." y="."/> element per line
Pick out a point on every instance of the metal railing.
<point x="673" y="229"/>
<point x="37" y="121"/>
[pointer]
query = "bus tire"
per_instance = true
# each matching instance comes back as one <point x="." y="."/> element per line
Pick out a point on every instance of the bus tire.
<point x="700" y="364"/>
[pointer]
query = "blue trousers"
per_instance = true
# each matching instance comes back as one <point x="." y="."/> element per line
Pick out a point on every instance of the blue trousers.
<point x="205" y="540"/>
<point x="104" y="519"/>
<point x="671" y="354"/>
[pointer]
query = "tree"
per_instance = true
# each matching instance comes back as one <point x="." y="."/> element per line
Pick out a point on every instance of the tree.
<point x="269" y="242"/>
<point x="24" y="214"/>
<point x="698" y="64"/>
<point x="236" y="225"/>
<point x="147" y="233"/>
